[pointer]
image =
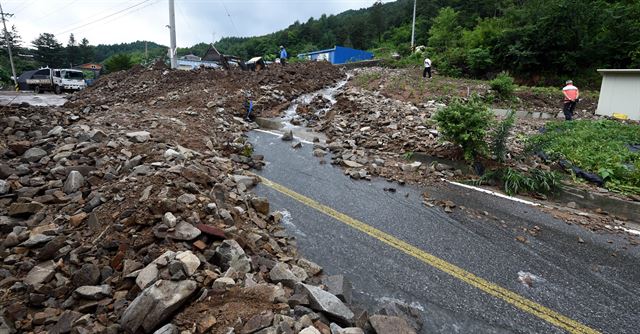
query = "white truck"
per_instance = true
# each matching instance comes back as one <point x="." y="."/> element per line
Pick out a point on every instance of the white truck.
<point x="56" y="80"/>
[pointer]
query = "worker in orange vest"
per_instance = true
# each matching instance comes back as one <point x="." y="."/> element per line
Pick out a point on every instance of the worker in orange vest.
<point x="571" y="96"/>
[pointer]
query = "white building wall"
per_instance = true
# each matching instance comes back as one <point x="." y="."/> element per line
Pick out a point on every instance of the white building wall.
<point x="620" y="93"/>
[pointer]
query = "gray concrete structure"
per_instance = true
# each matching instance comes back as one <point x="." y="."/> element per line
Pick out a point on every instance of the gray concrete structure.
<point x="619" y="93"/>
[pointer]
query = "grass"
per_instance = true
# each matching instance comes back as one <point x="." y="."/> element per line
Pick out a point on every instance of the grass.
<point x="516" y="182"/>
<point x="601" y="147"/>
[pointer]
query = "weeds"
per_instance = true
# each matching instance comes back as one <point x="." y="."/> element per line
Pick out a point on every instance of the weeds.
<point x="501" y="134"/>
<point x="516" y="182"/>
<point x="407" y="155"/>
<point x="604" y="147"/>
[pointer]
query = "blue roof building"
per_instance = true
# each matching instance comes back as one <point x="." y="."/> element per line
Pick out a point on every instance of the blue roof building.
<point x="338" y="55"/>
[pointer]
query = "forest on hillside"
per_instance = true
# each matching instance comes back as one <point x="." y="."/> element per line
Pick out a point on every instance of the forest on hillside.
<point x="536" y="41"/>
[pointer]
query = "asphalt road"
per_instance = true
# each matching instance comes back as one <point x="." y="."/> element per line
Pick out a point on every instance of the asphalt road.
<point x="40" y="100"/>
<point x="595" y="283"/>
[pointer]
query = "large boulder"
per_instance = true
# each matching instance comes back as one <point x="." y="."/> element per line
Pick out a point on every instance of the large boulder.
<point x="34" y="154"/>
<point x="155" y="304"/>
<point x="325" y="302"/>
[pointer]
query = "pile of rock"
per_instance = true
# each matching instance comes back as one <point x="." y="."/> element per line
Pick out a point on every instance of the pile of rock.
<point x="369" y="134"/>
<point x="127" y="218"/>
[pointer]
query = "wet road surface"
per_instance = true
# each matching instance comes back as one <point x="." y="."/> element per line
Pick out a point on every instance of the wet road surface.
<point x="594" y="284"/>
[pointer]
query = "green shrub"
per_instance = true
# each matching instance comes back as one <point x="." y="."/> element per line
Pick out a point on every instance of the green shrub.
<point x="503" y="85"/>
<point x="500" y="136"/>
<point x="479" y="61"/>
<point x="466" y="124"/>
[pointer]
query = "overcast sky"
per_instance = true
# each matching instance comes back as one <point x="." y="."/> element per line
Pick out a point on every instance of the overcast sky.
<point x="118" y="21"/>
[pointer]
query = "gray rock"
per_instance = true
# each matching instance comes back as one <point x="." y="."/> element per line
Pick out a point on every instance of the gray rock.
<point x="323" y="301"/>
<point x="412" y="167"/>
<point x="34" y="154"/>
<point x="171" y="154"/>
<point x="74" y="182"/>
<point x="93" y="292"/>
<point x="184" y="231"/>
<point x="339" y="286"/>
<point x="167" y="329"/>
<point x="4" y="187"/>
<point x="139" y="136"/>
<point x="189" y="260"/>
<point x="36" y="239"/>
<point x="310" y="330"/>
<point x="230" y="255"/>
<point x="149" y="274"/>
<point x="280" y="273"/>
<point x="410" y="314"/>
<point x="319" y="153"/>
<point x="223" y="283"/>
<point x="389" y="324"/>
<point x="287" y="136"/>
<point x="335" y="329"/>
<point x="40" y="274"/>
<point x="311" y="268"/>
<point x="56" y="131"/>
<point x="442" y="167"/>
<point x="169" y="219"/>
<point x="187" y="199"/>
<point x="258" y="322"/>
<point x="155" y="304"/>
<point x="6" y="327"/>
<point x="246" y="180"/>
<point x="88" y="274"/>
<point x="351" y="164"/>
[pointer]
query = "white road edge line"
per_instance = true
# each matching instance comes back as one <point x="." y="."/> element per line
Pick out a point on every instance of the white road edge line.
<point x="515" y="199"/>
<point x="279" y="135"/>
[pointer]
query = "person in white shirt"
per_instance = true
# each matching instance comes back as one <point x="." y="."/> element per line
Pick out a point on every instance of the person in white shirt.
<point x="427" y="68"/>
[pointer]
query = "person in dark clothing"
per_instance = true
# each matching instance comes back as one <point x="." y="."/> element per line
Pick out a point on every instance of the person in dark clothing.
<point x="248" y="106"/>
<point x="571" y="96"/>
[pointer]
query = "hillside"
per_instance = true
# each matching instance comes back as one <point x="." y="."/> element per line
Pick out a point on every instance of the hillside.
<point x="538" y="41"/>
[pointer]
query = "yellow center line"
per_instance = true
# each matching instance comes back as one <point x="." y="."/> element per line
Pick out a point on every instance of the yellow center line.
<point x="490" y="288"/>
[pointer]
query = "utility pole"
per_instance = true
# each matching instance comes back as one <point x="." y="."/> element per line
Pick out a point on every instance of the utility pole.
<point x="6" y="38"/>
<point x="413" y="27"/>
<point x="172" y="28"/>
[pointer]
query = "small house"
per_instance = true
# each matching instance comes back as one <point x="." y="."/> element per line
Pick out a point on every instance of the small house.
<point x="619" y="93"/>
<point x="338" y="55"/>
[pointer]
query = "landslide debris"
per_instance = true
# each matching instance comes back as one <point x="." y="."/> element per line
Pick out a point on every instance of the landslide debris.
<point x="130" y="210"/>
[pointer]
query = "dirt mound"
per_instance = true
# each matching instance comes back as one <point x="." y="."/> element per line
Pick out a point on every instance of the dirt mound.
<point x="159" y="87"/>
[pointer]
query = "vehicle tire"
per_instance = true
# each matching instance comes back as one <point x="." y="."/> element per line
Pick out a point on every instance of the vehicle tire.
<point x="57" y="89"/>
<point x="37" y="90"/>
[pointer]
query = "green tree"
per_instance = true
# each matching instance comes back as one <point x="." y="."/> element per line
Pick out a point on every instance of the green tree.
<point x="73" y="52"/>
<point x="49" y="52"/>
<point x="119" y="62"/>
<point x="446" y="32"/>
<point x="86" y="52"/>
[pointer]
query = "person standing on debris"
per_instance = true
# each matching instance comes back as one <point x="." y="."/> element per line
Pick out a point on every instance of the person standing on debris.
<point x="248" y="105"/>
<point x="571" y="95"/>
<point x="427" y="68"/>
<point x="283" y="55"/>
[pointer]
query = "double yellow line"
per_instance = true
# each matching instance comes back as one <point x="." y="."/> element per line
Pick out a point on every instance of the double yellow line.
<point x="492" y="289"/>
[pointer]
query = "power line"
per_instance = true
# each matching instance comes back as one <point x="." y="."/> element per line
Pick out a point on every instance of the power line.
<point x="102" y="18"/>
<point x="230" y="18"/>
